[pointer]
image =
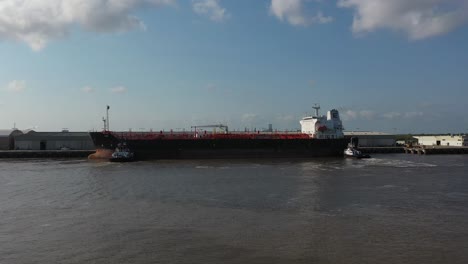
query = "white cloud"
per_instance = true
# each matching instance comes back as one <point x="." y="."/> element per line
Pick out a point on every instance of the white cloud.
<point x="211" y="9"/>
<point x="350" y="115"/>
<point x="419" y="19"/>
<point x="287" y="118"/>
<point x="411" y="115"/>
<point x="293" y="12"/>
<point x="407" y="115"/>
<point x="392" y="115"/>
<point x="119" y="89"/>
<point x="37" y="22"/>
<point x="16" y="86"/>
<point x="87" y="89"/>
<point x="211" y="87"/>
<point x="367" y="114"/>
<point x="249" y="118"/>
<point x="354" y="115"/>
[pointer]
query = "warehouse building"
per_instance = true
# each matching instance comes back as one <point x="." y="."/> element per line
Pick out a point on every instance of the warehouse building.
<point x="54" y="141"/>
<point x="443" y="140"/>
<point x="372" y="139"/>
<point x="7" y="138"/>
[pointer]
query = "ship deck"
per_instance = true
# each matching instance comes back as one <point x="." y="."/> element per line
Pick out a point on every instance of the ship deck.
<point x="207" y="135"/>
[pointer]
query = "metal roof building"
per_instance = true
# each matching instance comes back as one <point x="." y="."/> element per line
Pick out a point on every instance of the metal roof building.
<point x="372" y="139"/>
<point x="7" y="138"/>
<point x="54" y="141"/>
<point x="443" y="140"/>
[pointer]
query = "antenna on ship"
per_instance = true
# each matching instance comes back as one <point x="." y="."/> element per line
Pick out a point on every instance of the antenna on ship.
<point x="317" y="108"/>
<point x="107" y="120"/>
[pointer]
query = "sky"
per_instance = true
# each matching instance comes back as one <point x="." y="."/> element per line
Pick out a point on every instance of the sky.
<point x="393" y="66"/>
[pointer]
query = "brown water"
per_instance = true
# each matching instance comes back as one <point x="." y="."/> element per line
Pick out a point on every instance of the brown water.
<point x="389" y="209"/>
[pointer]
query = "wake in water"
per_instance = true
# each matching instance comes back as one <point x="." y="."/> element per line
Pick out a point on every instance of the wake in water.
<point x="393" y="163"/>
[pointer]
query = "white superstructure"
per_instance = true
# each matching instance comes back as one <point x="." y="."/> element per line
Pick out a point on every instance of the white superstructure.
<point x="323" y="127"/>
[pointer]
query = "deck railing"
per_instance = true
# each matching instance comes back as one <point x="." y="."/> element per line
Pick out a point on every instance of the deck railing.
<point x="207" y="135"/>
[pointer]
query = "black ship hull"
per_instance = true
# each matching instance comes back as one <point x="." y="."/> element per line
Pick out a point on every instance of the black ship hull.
<point x="222" y="148"/>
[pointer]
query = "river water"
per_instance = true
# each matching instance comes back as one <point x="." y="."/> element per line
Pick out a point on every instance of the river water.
<point x="389" y="209"/>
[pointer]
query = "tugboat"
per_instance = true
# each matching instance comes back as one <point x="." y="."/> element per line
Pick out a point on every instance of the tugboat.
<point x="122" y="154"/>
<point x="352" y="152"/>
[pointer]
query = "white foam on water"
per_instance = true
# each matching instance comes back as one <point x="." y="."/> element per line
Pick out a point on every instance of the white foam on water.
<point x="312" y="166"/>
<point x="203" y="167"/>
<point x="457" y="195"/>
<point x="395" y="163"/>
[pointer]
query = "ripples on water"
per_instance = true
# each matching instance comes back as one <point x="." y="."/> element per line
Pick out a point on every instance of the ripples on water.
<point x="388" y="209"/>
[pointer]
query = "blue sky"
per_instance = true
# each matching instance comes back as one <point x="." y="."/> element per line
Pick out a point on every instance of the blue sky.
<point x="161" y="64"/>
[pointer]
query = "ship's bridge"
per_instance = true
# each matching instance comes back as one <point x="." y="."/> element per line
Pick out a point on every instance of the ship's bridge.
<point x="323" y="127"/>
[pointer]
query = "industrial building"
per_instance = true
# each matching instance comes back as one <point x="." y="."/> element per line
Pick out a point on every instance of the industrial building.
<point x="372" y="139"/>
<point x="7" y="136"/>
<point x="54" y="141"/>
<point x="443" y="140"/>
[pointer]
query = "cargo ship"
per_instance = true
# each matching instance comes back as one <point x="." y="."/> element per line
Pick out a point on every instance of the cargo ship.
<point x="320" y="136"/>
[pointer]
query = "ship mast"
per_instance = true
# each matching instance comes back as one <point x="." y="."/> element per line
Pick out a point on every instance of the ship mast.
<point x="107" y="119"/>
<point x="317" y="108"/>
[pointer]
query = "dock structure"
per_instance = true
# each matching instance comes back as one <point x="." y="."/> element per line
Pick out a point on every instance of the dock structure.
<point x="428" y="150"/>
<point x="381" y="150"/>
<point x="421" y="150"/>
<point x="39" y="154"/>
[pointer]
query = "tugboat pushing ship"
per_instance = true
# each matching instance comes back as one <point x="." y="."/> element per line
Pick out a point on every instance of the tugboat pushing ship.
<point x="122" y="154"/>
<point x="320" y="136"/>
